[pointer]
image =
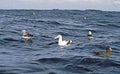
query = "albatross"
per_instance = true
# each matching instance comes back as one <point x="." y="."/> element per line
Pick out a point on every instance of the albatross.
<point x="26" y="35"/>
<point x="90" y="36"/>
<point x="63" y="42"/>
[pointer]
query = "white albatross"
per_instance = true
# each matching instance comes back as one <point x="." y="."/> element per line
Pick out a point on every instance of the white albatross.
<point x="63" y="42"/>
<point x="26" y="35"/>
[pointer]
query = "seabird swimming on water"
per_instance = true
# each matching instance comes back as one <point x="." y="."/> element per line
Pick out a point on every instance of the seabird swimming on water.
<point x="90" y="36"/>
<point x="84" y="17"/>
<point x="63" y="42"/>
<point x="102" y="53"/>
<point x="26" y="35"/>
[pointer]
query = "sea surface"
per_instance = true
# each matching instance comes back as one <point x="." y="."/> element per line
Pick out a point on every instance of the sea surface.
<point x="42" y="55"/>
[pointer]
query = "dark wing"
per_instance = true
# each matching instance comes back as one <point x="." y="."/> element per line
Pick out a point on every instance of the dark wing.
<point x="89" y="35"/>
<point x="100" y="53"/>
<point x="68" y="42"/>
<point x="28" y="35"/>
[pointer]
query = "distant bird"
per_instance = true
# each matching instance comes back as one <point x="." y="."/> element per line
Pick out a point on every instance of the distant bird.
<point x="90" y="36"/>
<point x="33" y="13"/>
<point x="26" y="35"/>
<point x="63" y="42"/>
<point x="102" y="53"/>
<point x="84" y="17"/>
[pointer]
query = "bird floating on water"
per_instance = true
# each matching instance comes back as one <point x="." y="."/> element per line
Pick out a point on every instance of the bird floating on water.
<point x="90" y="36"/>
<point x="26" y="35"/>
<point x="84" y="17"/>
<point x="61" y="42"/>
<point x="102" y="53"/>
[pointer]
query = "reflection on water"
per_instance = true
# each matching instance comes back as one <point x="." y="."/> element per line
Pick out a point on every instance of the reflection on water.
<point x="28" y="42"/>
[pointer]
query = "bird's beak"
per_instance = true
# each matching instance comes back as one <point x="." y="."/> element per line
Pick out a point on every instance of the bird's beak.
<point x="55" y="37"/>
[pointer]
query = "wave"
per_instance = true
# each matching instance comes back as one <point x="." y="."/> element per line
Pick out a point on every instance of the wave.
<point x="10" y="39"/>
<point x="109" y="63"/>
<point x="51" y="60"/>
<point x="76" y="69"/>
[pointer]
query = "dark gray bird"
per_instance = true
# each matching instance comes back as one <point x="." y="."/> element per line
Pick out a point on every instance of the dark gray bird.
<point x="102" y="53"/>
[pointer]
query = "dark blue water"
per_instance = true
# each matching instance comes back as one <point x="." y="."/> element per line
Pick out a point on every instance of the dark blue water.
<point x="42" y="55"/>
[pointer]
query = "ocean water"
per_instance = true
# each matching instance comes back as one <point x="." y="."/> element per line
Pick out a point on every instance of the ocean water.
<point x="42" y="55"/>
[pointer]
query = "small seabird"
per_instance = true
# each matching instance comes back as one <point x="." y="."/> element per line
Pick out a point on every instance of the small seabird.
<point x="84" y="18"/>
<point x="90" y="36"/>
<point x="63" y="42"/>
<point x="33" y="13"/>
<point x="26" y="35"/>
<point x="102" y="53"/>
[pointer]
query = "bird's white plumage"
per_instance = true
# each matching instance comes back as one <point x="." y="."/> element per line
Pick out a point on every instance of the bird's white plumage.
<point x="63" y="42"/>
<point x="26" y="35"/>
<point x="89" y="33"/>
